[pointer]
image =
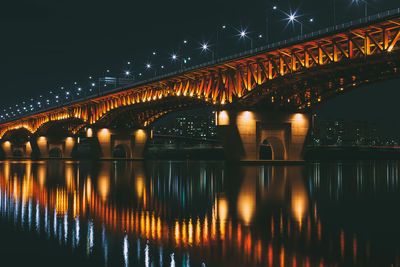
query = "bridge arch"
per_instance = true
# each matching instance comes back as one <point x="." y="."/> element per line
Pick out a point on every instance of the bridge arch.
<point x="272" y="148"/>
<point x="17" y="133"/>
<point x="55" y="152"/>
<point x="265" y="150"/>
<point x="121" y="151"/>
<point x="141" y="115"/>
<point x="64" y="127"/>
<point x="17" y="153"/>
<point x="16" y="143"/>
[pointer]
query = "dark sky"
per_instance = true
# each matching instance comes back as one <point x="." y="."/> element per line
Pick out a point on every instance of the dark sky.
<point x="48" y="44"/>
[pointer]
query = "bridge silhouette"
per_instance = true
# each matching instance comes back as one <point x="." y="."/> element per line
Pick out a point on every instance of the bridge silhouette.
<point x="262" y="94"/>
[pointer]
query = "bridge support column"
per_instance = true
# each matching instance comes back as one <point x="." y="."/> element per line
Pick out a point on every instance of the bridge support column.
<point x="243" y="133"/>
<point x="141" y="137"/>
<point x="42" y="147"/>
<point x="64" y="147"/>
<point x="68" y="147"/>
<point x="19" y="150"/>
<point x="7" y="149"/>
<point x="104" y="138"/>
<point x="132" y="143"/>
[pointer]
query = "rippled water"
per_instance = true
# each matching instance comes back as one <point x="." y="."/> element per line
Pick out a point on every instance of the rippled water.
<point x="203" y="213"/>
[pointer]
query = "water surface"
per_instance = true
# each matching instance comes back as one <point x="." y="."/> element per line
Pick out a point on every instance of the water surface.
<point x="199" y="214"/>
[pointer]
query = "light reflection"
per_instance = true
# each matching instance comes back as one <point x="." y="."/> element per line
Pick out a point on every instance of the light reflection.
<point x="16" y="210"/>
<point x="46" y="211"/>
<point x="65" y="227"/>
<point x="77" y="231"/>
<point x="246" y="202"/>
<point x="299" y="205"/>
<point x="105" y="245"/>
<point x="146" y="255"/>
<point x="29" y="213"/>
<point x="126" y="251"/>
<point x="139" y="186"/>
<point x="55" y="222"/>
<point x="161" y="256"/>
<point x="103" y="185"/>
<point x="37" y="216"/>
<point x="172" y="260"/>
<point x="89" y="243"/>
<point x="169" y="212"/>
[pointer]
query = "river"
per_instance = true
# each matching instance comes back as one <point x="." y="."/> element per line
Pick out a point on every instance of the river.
<point x="199" y="213"/>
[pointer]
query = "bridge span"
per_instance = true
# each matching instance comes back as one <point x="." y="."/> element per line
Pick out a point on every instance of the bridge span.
<point x="265" y="93"/>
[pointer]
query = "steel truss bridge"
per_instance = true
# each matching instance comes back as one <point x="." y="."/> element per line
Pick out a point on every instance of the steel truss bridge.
<point x="293" y="75"/>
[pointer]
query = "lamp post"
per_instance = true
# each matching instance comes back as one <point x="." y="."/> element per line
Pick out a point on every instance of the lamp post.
<point x="267" y="21"/>
<point x="205" y="47"/>
<point x="174" y="58"/>
<point x="292" y="18"/>
<point x="243" y="34"/>
<point x="223" y="27"/>
<point x="148" y="67"/>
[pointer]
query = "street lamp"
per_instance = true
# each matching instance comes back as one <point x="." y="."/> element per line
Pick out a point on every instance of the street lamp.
<point x="292" y="18"/>
<point x="148" y="67"/>
<point x="243" y="34"/>
<point x="205" y="47"/>
<point x="223" y="27"/>
<point x="267" y="21"/>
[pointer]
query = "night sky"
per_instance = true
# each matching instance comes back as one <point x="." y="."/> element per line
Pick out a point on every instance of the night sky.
<point x="49" y="44"/>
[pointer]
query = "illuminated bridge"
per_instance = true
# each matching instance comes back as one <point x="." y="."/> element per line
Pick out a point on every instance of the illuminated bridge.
<point x="262" y="94"/>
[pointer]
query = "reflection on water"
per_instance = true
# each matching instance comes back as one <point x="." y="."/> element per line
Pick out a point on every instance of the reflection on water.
<point x="210" y="214"/>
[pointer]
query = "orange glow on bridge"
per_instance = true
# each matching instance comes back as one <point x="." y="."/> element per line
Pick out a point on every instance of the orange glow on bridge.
<point x="235" y="79"/>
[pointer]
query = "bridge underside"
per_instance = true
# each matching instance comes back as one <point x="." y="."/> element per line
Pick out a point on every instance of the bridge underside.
<point x="312" y="87"/>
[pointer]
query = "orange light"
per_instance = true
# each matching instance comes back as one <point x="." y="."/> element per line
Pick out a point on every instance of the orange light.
<point x="223" y="209"/>
<point x="69" y="140"/>
<point x="103" y="186"/>
<point x="246" y="204"/>
<point x="89" y="132"/>
<point x="103" y="135"/>
<point x="246" y="115"/>
<point x="7" y="144"/>
<point x="223" y="118"/>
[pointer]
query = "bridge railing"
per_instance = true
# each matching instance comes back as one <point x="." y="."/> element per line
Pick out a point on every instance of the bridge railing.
<point x="263" y="49"/>
<point x="269" y="47"/>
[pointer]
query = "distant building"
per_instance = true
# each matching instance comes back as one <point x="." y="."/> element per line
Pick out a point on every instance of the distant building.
<point x="189" y="125"/>
<point x="344" y="133"/>
<point x="113" y="82"/>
